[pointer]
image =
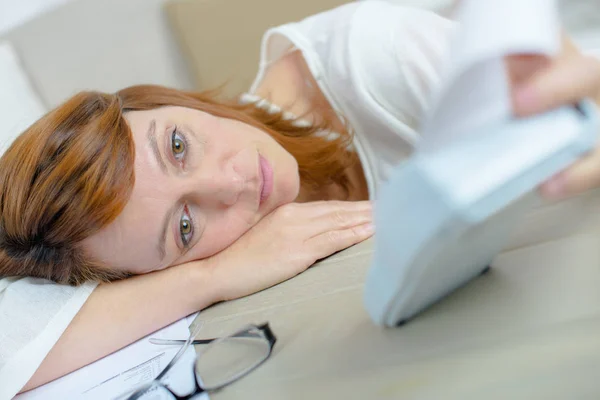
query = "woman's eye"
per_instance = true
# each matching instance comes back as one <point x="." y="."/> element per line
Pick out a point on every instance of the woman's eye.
<point x="186" y="229"/>
<point x="178" y="145"/>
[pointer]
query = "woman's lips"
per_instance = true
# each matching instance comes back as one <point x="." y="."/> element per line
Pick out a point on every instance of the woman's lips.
<point x="266" y="172"/>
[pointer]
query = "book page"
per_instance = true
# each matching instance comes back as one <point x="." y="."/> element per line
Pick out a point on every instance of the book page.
<point x="475" y="90"/>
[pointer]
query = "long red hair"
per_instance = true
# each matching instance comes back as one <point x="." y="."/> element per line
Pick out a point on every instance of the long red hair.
<point x="71" y="173"/>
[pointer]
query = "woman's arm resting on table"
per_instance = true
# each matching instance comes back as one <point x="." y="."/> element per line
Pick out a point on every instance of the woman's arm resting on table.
<point x="282" y="245"/>
<point x="119" y="313"/>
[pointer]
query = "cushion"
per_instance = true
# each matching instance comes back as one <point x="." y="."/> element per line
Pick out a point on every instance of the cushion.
<point x="100" y="45"/>
<point x="221" y="38"/>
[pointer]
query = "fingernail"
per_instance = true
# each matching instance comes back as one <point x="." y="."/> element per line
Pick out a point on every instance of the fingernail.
<point x="368" y="228"/>
<point x="525" y="100"/>
<point x="554" y="188"/>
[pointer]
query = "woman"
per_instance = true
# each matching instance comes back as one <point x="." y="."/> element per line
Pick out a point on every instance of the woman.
<point x="108" y="186"/>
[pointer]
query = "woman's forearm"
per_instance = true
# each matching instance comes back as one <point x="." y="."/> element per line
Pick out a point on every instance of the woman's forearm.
<point x="116" y="314"/>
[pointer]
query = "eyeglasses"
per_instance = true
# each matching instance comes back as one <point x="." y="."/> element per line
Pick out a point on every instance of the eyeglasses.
<point x="222" y="362"/>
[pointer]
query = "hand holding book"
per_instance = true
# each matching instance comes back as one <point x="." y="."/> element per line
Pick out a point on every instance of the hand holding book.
<point x="541" y="83"/>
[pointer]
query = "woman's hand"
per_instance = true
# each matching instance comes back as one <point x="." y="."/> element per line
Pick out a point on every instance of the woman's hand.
<point x="287" y="242"/>
<point x="540" y="84"/>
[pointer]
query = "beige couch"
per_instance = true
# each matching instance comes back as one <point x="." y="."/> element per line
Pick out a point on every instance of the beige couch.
<point x="104" y="45"/>
<point x="110" y="44"/>
<point x="528" y="329"/>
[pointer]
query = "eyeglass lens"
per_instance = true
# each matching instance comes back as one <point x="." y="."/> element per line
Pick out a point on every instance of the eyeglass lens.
<point x="231" y="357"/>
<point x="217" y="364"/>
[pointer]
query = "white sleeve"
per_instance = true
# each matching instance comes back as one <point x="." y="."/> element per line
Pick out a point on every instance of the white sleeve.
<point x="376" y="64"/>
<point x="33" y="315"/>
<point x="369" y="51"/>
<point x="398" y="52"/>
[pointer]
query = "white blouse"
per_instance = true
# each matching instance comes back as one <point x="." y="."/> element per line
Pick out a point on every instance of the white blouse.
<point x="375" y="63"/>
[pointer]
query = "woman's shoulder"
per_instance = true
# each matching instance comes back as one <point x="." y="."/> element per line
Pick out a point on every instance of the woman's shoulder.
<point x="26" y="294"/>
<point x="372" y="43"/>
<point x="289" y="83"/>
<point x="374" y="63"/>
<point x="38" y="300"/>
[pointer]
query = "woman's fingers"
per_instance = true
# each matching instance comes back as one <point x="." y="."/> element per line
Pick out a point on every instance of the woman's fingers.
<point x="336" y="225"/>
<point x="333" y="241"/>
<point x="539" y="84"/>
<point x="581" y="176"/>
<point x="521" y="67"/>
<point x="322" y="216"/>
<point x="566" y="81"/>
<point x="341" y="215"/>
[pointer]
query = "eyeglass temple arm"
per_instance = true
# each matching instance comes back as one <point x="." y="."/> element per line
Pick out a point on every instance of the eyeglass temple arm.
<point x="200" y="341"/>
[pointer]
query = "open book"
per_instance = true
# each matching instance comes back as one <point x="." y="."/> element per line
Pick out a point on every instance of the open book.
<point x="447" y="212"/>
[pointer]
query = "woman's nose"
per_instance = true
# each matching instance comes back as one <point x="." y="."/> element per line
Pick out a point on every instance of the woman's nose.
<point x="222" y="187"/>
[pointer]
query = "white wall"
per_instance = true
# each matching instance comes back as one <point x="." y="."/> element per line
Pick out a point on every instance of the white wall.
<point x="16" y="12"/>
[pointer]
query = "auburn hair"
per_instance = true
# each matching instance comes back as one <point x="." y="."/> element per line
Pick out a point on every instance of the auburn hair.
<point x="71" y="173"/>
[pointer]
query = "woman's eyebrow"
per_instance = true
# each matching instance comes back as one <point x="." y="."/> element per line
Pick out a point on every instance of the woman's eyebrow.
<point x="151" y="135"/>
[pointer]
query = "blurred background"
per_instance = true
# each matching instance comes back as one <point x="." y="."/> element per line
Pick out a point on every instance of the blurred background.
<point x="50" y="49"/>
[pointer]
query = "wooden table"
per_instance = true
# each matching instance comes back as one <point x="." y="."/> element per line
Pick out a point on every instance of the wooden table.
<point x="528" y="329"/>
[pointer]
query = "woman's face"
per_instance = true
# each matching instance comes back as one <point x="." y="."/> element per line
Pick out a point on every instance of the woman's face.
<point x="200" y="182"/>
